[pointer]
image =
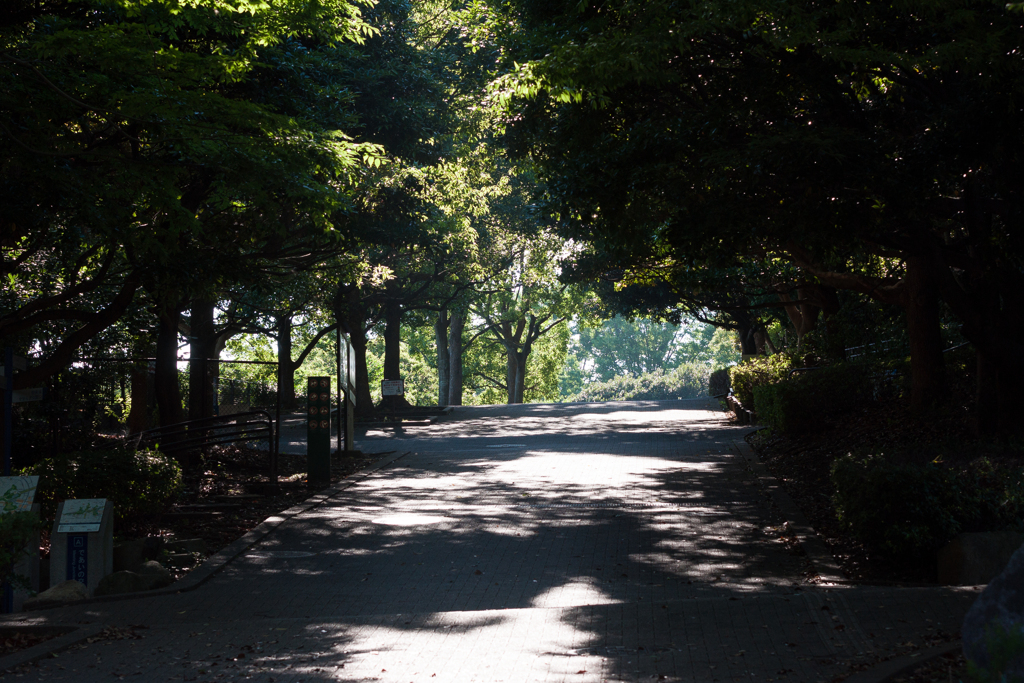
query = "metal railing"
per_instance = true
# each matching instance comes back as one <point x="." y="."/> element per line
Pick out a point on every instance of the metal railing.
<point x="253" y="425"/>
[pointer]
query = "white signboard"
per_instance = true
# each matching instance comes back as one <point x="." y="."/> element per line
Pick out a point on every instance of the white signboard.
<point x="20" y="363"/>
<point x="81" y="516"/>
<point x="17" y="493"/>
<point x="392" y="387"/>
<point x="27" y="395"/>
<point x="349" y="361"/>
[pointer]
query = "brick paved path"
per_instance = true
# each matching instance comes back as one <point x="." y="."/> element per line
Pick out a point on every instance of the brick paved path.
<point x="576" y="543"/>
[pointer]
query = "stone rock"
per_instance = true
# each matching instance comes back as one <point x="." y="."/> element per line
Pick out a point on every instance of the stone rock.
<point x="1000" y="606"/>
<point x="186" y="545"/>
<point x="61" y="594"/>
<point x="155" y="575"/>
<point x="181" y="560"/>
<point x="976" y="558"/>
<point x="120" y="582"/>
<point x="129" y="554"/>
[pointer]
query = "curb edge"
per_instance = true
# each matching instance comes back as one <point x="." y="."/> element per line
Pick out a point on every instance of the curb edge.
<point x="817" y="552"/>
<point x="191" y="581"/>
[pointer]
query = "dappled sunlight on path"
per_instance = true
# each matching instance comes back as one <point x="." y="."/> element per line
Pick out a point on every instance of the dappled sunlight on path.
<point x="621" y="541"/>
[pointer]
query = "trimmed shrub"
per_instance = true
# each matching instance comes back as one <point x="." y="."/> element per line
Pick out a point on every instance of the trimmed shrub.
<point x="718" y="383"/>
<point x="910" y="511"/>
<point x="16" y="530"/>
<point x="140" y="484"/>
<point x="685" y="381"/>
<point x="756" y="372"/>
<point x="797" y="405"/>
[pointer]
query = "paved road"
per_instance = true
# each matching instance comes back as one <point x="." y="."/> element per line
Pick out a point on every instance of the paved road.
<point x="581" y="543"/>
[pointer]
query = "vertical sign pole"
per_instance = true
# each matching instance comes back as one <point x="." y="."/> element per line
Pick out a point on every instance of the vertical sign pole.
<point x="275" y="447"/>
<point x="8" y="593"/>
<point x="318" y="430"/>
<point x="350" y="396"/>
<point x="340" y="389"/>
<point x="8" y="408"/>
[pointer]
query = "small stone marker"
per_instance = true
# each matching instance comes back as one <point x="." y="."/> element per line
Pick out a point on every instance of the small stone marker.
<point x="318" y="432"/>
<point x="82" y="545"/>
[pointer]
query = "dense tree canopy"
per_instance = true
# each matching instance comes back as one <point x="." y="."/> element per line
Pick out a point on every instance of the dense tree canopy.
<point x="460" y="186"/>
<point x="872" y="146"/>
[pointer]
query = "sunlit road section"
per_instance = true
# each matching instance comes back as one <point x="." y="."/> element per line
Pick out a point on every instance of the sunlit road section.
<point x="574" y="542"/>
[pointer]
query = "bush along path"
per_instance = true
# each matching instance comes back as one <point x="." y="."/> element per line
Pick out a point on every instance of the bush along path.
<point x="230" y="496"/>
<point x="886" y="490"/>
<point x="212" y="507"/>
<point x="538" y="542"/>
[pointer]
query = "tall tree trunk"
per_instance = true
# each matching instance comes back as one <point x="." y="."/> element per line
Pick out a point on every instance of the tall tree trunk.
<point x="455" y="328"/>
<point x="520" y="380"/>
<point x="140" y="416"/>
<point x="168" y="394"/>
<point x="443" y="366"/>
<point x="364" y="401"/>
<point x="201" y="376"/>
<point x="924" y="329"/>
<point x="285" y="366"/>
<point x="351" y="314"/>
<point x="987" y="388"/>
<point x="392" y="340"/>
<point x="759" y="342"/>
<point x="393" y="351"/>
<point x="745" y="332"/>
<point x="803" y="316"/>
<point x="510" y="373"/>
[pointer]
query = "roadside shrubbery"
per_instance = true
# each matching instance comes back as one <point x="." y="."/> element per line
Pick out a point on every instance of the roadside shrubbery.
<point x="17" y="528"/>
<point x="685" y="381"/>
<point x="140" y="484"/>
<point x="756" y="372"/>
<point x="798" y="404"/>
<point x="909" y="511"/>
<point x="718" y="383"/>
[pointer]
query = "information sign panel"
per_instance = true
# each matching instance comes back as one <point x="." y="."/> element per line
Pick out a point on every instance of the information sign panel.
<point x="81" y="516"/>
<point x="318" y="432"/>
<point x="392" y="387"/>
<point x="78" y="558"/>
<point x="17" y="493"/>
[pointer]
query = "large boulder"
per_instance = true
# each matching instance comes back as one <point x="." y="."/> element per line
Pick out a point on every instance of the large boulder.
<point x="155" y="575"/>
<point x="129" y="554"/>
<point x="61" y="594"/>
<point x="976" y="558"/>
<point x="120" y="582"/>
<point x="997" y="618"/>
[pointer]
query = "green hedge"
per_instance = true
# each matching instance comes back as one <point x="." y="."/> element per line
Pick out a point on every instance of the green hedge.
<point x="718" y="383"/>
<point x="756" y="372"/>
<point x="909" y="511"/>
<point x="685" y="381"/>
<point x="140" y="484"/>
<point x="16" y="531"/>
<point x="798" y="404"/>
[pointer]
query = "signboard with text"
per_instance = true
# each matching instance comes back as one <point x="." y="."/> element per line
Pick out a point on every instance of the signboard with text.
<point x="318" y="432"/>
<point x="17" y="493"/>
<point x="392" y="387"/>
<point x="81" y="516"/>
<point x="78" y="558"/>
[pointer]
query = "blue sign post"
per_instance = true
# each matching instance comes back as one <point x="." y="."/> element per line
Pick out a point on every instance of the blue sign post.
<point x="78" y="558"/>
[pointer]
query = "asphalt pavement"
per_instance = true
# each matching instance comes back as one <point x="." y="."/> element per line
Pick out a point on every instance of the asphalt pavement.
<point x="624" y="541"/>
